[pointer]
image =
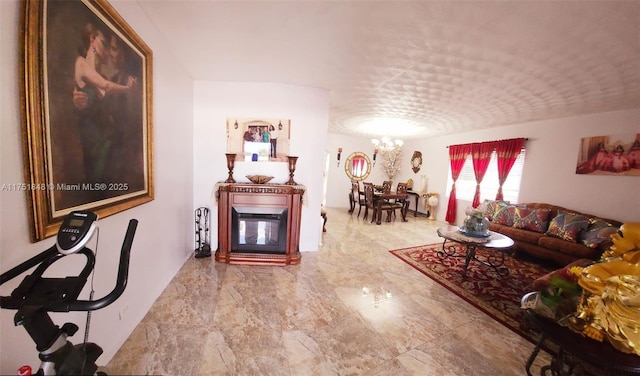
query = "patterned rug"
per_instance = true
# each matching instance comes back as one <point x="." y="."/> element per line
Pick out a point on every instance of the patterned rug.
<point x="499" y="297"/>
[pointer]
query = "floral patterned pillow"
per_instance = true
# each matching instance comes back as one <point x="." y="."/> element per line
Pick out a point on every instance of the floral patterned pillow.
<point x="568" y="226"/>
<point x="531" y="219"/>
<point x="598" y="232"/>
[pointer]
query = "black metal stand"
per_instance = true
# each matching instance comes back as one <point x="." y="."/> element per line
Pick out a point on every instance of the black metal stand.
<point x="491" y="260"/>
<point x="203" y="249"/>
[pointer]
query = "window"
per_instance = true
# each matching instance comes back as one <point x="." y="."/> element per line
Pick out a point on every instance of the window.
<point x="466" y="184"/>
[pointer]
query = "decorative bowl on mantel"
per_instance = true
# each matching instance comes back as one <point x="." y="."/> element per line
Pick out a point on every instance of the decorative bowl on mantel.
<point x="259" y="179"/>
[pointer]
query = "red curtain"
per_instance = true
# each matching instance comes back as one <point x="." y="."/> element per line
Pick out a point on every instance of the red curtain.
<point x="457" y="156"/>
<point x="507" y="152"/>
<point x="481" y="156"/>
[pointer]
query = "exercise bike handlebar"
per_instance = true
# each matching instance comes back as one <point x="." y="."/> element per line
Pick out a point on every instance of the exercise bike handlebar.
<point x="121" y="282"/>
<point x="77" y="305"/>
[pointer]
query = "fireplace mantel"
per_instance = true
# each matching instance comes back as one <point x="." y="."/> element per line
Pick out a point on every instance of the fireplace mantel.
<point x="267" y="196"/>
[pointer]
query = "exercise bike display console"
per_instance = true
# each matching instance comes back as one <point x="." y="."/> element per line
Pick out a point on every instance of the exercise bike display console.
<point x="75" y="231"/>
<point x="36" y="296"/>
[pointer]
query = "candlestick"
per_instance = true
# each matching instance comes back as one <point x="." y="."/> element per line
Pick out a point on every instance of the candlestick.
<point x="292" y="169"/>
<point x="231" y="158"/>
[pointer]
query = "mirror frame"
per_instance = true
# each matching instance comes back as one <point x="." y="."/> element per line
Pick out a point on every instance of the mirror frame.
<point x="347" y="165"/>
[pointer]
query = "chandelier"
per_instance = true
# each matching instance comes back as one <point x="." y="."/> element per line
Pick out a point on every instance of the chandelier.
<point x="391" y="154"/>
<point x="386" y="143"/>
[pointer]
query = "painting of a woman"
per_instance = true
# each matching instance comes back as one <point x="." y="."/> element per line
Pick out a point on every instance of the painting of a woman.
<point x="87" y="95"/>
<point x="96" y="123"/>
<point x="605" y="155"/>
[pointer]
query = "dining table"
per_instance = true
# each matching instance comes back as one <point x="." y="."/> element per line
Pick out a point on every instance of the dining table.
<point x="381" y="197"/>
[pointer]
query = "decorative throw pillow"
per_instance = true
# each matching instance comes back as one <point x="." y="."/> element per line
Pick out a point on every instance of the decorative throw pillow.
<point x="598" y="232"/>
<point x="487" y="206"/>
<point x="492" y="208"/>
<point x="505" y="215"/>
<point x="568" y="226"/>
<point x="531" y="219"/>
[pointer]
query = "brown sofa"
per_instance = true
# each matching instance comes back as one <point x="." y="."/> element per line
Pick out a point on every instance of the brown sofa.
<point x="543" y="245"/>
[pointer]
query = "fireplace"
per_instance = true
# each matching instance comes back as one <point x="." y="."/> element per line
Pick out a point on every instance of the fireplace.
<point x="259" y="223"/>
<point x="260" y="230"/>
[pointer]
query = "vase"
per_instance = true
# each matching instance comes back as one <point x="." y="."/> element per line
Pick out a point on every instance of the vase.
<point x="476" y="225"/>
<point x="231" y="159"/>
<point x="433" y="201"/>
<point x="292" y="169"/>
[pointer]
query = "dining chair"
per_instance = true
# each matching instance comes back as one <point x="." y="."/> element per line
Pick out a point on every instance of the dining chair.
<point x="357" y="197"/>
<point x="386" y="186"/>
<point x="368" y="199"/>
<point x="403" y="202"/>
<point x="372" y="204"/>
<point x="397" y="203"/>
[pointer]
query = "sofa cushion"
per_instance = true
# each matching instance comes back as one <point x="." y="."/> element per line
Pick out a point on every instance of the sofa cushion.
<point x="578" y="250"/>
<point x="568" y="226"/>
<point x="504" y="215"/>
<point x="517" y="234"/>
<point x="598" y="232"/>
<point x="531" y="219"/>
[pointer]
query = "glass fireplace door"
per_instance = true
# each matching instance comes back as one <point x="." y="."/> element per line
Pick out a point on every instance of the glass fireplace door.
<point x="259" y="229"/>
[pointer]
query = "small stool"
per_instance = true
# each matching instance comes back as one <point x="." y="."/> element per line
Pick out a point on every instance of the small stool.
<point x="323" y="214"/>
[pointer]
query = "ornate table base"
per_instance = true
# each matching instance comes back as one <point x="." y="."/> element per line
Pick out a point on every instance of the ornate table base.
<point x="495" y="244"/>
<point x="494" y="260"/>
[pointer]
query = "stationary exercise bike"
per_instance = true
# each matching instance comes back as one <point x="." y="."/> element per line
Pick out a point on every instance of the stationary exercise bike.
<point x="36" y="296"/>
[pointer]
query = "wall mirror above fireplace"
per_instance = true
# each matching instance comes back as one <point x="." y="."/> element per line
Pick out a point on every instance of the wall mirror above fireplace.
<point x="357" y="166"/>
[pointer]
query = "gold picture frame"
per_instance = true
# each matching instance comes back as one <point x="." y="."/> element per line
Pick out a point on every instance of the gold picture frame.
<point x="259" y="139"/>
<point x="86" y="96"/>
<point x="613" y="155"/>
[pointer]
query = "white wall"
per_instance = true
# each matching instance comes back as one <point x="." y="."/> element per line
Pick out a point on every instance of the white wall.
<point x="549" y="171"/>
<point x="308" y="110"/>
<point x="339" y="184"/>
<point x="164" y="239"/>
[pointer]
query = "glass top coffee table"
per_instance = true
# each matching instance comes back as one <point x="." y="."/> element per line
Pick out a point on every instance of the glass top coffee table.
<point x="495" y="243"/>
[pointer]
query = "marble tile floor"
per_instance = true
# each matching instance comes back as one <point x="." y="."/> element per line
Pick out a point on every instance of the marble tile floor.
<point x="351" y="308"/>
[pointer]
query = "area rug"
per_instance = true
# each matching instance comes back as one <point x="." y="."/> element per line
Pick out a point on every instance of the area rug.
<point x="499" y="297"/>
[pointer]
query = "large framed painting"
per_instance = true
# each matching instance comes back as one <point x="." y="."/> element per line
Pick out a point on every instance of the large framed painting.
<point x="259" y="139"/>
<point x="87" y="124"/>
<point x="610" y="155"/>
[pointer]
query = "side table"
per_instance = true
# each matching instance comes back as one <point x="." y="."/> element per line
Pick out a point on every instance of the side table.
<point x="577" y="354"/>
<point x="417" y="197"/>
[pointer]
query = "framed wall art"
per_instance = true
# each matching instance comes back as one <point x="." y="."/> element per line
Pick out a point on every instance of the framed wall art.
<point x="609" y="155"/>
<point x="87" y="119"/>
<point x="258" y="139"/>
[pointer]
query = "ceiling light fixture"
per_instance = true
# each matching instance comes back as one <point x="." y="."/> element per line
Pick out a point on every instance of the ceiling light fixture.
<point x="390" y="127"/>
<point x="391" y="151"/>
<point x="387" y="143"/>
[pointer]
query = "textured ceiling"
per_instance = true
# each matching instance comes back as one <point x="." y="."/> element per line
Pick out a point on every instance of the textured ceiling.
<point x="421" y="68"/>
